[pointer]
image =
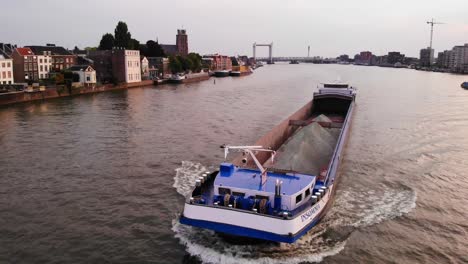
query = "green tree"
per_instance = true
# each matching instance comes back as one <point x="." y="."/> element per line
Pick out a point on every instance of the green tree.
<point x="154" y="49"/>
<point x="143" y="50"/>
<point x="134" y="44"/>
<point x="185" y="62"/>
<point x="123" y="38"/>
<point x="196" y="60"/>
<point x="175" y="65"/>
<point x="107" y="42"/>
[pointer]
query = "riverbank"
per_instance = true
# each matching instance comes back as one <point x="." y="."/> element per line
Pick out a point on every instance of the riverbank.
<point x="61" y="91"/>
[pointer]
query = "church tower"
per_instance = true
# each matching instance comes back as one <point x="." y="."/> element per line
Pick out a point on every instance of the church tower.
<point x="182" y="42"/>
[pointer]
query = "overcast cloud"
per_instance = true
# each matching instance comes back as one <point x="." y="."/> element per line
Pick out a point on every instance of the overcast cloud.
<point x="330" y="27"/>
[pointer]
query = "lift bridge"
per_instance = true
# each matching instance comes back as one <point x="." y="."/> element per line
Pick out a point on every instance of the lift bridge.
<point x="298" y="59"/>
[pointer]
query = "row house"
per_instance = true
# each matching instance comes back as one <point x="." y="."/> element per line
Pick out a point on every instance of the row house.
<point x="6" y="69"/>
<point x="24" y="65"/>
<point x="60" y="57"/>
<point x="218" y="62"/>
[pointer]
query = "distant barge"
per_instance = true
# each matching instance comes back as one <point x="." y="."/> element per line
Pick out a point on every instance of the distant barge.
<point x="268" y="192"/>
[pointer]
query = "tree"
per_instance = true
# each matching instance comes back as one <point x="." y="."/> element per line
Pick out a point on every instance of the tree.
<point x="185" y="62"/>
<point x="154" y="49"/>
<point x="122" y="36"/>
<point x="196" y="61"/>
<point x="107" y="42"/>
<point x="175" y="65"/>
<point x="134" y="44"/>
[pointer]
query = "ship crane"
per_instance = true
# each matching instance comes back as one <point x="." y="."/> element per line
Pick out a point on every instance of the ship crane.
<point x="432" y="23"/>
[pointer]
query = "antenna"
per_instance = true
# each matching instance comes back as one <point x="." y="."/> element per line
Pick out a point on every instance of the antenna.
<point x="432" y="23"/>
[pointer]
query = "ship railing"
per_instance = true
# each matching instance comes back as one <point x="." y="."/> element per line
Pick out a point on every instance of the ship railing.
<point x="339" y="145"/>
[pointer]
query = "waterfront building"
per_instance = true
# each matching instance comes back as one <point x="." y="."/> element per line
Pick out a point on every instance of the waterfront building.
<point x="443" y="59"/>
<point x="458" y="61"/>
<point x="117" y="65"/>
<point x="395" y="57"/>
<point x="181" y="46"/>
<point x="161" y="64"/>
<point x="61" y="58"/>
<point x="126" y="65"/>
<point x="219" y="62"/>
<point x="144" y="68"/>
<point x="24" y="65"/>
<point x="364" y="58"/>
<point x="87" y="74"/>
<point x="44" y="65"/>
<point x="102" y="63"/>
<point x="6" y="68"/>
<point x="426" y="57"/>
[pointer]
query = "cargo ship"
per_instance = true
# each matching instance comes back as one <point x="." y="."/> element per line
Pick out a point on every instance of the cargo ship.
<point x="282" y="186"/>
<point x="240" y="71"/>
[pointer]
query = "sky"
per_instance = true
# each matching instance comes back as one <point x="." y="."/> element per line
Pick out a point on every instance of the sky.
<point x="329" y="27"/>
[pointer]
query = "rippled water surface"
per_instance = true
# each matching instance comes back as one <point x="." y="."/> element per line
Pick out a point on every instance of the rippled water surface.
<point x="101" y="178"/>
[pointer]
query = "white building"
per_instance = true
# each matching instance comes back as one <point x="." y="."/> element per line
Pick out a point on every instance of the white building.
<point x="145" y="68"/>
<point x="132" y="66"/>
<point x="44" y="63"/>
<point x="87" y="74"/>
<point x="6" y="69"/>
<point x="458" y="61"/>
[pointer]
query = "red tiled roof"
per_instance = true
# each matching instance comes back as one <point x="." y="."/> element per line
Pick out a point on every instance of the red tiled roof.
<point x="24" y="51"/>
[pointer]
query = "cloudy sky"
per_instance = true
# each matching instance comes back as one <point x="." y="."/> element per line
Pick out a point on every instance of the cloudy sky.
<point x="330" y="27"/>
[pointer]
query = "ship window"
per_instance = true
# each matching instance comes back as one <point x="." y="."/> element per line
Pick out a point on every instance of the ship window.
<point x="223" y="191"/>
<point x="299" y="198"/>
<point x="259" y="197"/>
<point x="238" y="194"/>
<point x="307" y="193"/>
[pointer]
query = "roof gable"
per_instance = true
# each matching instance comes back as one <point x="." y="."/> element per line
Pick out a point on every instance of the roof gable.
<point x="24" y="51"/>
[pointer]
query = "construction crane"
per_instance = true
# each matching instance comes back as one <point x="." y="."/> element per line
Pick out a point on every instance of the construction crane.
<point x="432" y="23"/>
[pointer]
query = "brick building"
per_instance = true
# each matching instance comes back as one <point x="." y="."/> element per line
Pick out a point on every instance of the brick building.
<point x="61" y="58"/>
<point x="24" y="65"/>
<point x="116" y="65"/>
<point x="218" y="62"/>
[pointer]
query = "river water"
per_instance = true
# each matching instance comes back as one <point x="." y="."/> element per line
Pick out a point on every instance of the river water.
<point x="101" y="178"/>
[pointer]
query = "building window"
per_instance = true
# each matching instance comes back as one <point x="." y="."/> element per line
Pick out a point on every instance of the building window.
<point x="8" y="65"/>
<point x="46" y="68"/>
<point x="3" y="65"/>
<point x="4" y="75"/>
<point x="41" y="68"/>
<point x="88" y="78"/>
<point x="40" y="60"/>
<point x="9" y="74"/>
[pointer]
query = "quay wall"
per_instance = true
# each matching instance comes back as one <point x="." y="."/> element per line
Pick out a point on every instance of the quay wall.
<point x="61" y="91"/>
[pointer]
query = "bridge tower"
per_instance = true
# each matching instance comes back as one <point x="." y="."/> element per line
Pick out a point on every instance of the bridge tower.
<point x="270" y="51"/>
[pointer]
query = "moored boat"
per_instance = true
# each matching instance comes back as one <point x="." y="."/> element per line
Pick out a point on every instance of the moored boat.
<point x="235" y="73"/>
<point x="176" y="78"/>
<point x="280" y="187"/>
<point x="464" y="85"/>
<point x="221" y="73"/>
